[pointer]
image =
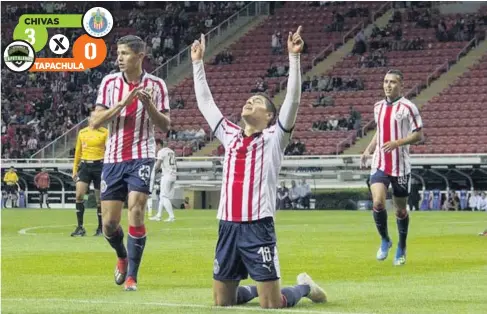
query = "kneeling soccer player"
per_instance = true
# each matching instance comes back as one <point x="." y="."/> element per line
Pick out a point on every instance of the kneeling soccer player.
<point x="253" y="157"/>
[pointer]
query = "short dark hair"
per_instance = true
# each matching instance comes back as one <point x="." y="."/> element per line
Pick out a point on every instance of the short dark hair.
<point x="396" y="72"/>
<point x="159" y="141"/>
<point x="270" y="107"/>
<point x="135" y="43"/>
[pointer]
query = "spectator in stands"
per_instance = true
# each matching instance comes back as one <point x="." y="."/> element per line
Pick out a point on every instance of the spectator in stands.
<point x="171" y="134"/>
<point x="177" y="103"/>
<point x="260" y="86"/>
<point x="295" y="148"/>
<point x="272" y="71"/>
<point x="224" y="57"/>
<point x="473" y="202"/>
<point x="294" y="195"/>
<point x="282" y="196"/>
<point x="323" y="83"/>
<point x="276" y="43"/>
<point x="305" y="194"/>
<point x="337" y="24"/>
<point x="360" y="46"/>
<point x="324" y="100"/>
<point x="482" y="202"/>
<point x="314" y="83"/>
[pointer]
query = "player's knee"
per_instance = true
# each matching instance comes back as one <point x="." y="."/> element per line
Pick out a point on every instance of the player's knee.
<point x="401" y="213"/>
<point x="109" y="227"/>
<point x="378" y="205"/>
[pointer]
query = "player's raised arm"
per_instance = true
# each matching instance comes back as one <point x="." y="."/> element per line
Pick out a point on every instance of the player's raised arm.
<point x="289" y="109"/>
<point x="205" y="101"/>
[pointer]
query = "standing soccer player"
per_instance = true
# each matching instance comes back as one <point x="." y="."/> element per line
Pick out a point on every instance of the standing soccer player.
<point x="253" y="157"/>
<point x="87" y="167"/>
<point x="43" y="182"/>
<point x="166" y="161"/>
<point x="398" y="126"/>
<point x="131" y="102"/>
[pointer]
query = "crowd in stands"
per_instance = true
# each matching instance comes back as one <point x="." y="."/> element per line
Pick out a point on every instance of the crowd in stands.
<point x="64" y="99"/>
<point x="352" y="122"/>
<point x="296" y="197"/>
<point x="336" y="83"/>
<point x="224" y="57"/>
<point x="295" y="148"/>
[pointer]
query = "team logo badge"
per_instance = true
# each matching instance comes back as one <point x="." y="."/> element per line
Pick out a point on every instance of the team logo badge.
<point x="103" y="186"/>
<point x="216" y="267"/>
<point x="98" y="22"/>
<point x="399" y="116"/>
<point x="19" y="56"/>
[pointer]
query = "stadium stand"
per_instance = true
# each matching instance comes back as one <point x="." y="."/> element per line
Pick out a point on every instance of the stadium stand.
<point x="254" y="55"/>
<point x="410" y="42"/>
<point x="37" y="108"/>
<point x="455" y="120"/>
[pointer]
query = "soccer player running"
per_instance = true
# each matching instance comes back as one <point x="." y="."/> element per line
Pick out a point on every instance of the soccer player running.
<point x="165" y="160"/>
<point x="43" y="182"/>
<point x="399" y="125"/>
<point x="131" y="102"/>
<point x="253" y="157"/>
<point x="88" y="164"/>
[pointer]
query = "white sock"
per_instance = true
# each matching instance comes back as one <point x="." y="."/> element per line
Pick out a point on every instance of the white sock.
<point x="149" y="206"/>
<point x="160" y="206"/>
<point x="168" y="206"/>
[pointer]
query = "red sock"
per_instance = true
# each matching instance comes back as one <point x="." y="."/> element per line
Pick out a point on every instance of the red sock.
<point x="137" y="232"/>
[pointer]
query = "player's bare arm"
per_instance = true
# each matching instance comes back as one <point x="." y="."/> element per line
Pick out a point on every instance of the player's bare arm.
<point x="412" y="138"/>
<point x="161" y="120"/>
<point x="289" y="109"/>
<point x="205" y="101"/>
<point x="368" y="151"/>
<point x="103" y="115"/>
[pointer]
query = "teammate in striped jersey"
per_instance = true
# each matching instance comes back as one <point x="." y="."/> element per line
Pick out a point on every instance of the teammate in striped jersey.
<point x="398" y="126"/>
<point x="131" y="102"/>
<point x="253" y="157"/>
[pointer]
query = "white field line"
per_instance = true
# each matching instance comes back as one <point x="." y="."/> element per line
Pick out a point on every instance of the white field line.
<point x="175" y="305"/>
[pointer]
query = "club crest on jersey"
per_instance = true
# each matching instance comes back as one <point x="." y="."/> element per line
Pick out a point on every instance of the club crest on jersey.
<point x="399" y="116"/>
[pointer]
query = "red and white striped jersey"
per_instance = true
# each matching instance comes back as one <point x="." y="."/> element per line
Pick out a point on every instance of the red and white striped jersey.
<point x="131" y="133"/>
<point x="394" y="121"/>
<point x="250" y="171"/>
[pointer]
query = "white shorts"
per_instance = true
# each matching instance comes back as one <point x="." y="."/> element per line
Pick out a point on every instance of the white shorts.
<point x="167" y="187"/>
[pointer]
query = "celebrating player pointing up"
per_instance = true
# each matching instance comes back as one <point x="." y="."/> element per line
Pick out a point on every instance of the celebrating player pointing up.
<point x="253" y="156"/>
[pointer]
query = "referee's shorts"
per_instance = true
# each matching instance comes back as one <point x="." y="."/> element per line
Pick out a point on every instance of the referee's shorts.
<point x="90" y="171"/>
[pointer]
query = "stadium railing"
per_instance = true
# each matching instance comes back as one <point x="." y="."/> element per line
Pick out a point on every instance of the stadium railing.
<point x="61" y="145"/>
<point x="324" y="161"/>
<point x="214" y="36"/>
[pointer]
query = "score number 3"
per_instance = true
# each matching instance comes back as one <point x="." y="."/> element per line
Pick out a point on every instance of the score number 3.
<point x="31" y="33"/>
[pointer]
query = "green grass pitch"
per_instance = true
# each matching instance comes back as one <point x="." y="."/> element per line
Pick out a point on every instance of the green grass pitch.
<point x="44" y="270"/>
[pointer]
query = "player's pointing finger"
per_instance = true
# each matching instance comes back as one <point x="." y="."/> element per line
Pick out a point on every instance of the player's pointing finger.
<point x="203" y="41"/>
<point x="298" y="31"/>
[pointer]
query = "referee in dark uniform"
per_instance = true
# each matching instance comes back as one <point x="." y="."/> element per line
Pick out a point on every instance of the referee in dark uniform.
<point x="87" y="168"/>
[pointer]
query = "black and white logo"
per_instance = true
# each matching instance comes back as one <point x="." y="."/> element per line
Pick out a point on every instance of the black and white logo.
<point x="19" y="56"/>
<point x="59" y="44"/>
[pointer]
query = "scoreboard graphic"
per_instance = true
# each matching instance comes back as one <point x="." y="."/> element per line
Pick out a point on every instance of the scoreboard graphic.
<point x="31" y="36"/>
